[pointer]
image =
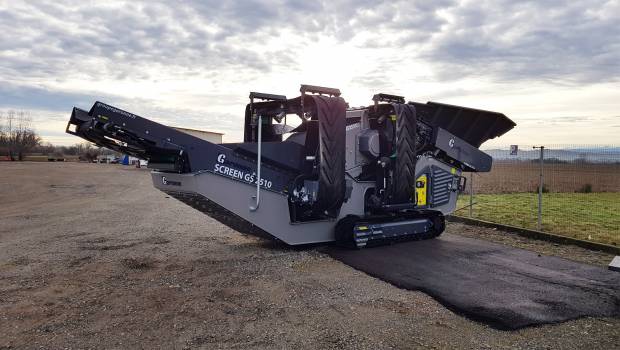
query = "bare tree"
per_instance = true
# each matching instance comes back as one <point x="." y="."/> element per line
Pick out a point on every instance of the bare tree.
<point x="87" y="152"/>
<point x="17" y="135"/>
<point x="45" y="148"/>
<point x="3" y="139"/>
<point x="4" y="136"/>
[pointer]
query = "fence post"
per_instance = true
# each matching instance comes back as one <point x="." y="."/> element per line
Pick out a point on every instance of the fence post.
<point x="540" y="186"/>
<point x="471" y="194"/>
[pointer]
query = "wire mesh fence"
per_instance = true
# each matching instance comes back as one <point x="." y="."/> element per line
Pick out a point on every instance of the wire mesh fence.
<point x="572" y="190"/>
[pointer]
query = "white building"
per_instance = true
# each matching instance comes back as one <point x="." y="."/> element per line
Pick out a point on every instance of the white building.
<point x="213" y="137"/>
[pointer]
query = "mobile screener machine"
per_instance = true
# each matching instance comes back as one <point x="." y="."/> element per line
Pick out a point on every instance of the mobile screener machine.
<point x="382" y="173"/>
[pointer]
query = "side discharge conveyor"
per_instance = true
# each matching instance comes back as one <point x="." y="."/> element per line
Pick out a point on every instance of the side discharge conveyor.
<point x="312" y="170"/>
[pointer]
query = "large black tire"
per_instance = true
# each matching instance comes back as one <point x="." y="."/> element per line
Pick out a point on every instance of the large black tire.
<point x="402" y="186"/>
<point x="331" y="113"/>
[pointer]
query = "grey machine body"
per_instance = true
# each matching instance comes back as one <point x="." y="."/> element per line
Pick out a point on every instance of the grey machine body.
<point x="341" y="169"/>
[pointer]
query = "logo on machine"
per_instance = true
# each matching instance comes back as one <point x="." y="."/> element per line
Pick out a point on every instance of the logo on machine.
<point x="451" y="143"/>
<point x="353" y="126"/>
<point x="170" y="182"/>
<point x="226" y="168"/>
<point x="116" y="110"/>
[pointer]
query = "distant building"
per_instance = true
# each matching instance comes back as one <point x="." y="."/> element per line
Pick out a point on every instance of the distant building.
<point x="130" y="160"/>
<point x="106" y="158"/>
<point x="213" y="137"/>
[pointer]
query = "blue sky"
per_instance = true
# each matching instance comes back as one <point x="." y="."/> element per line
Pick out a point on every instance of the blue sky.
<point x="551" y="66"/>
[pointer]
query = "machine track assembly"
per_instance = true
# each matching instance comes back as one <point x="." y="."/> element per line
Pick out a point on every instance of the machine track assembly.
<point x="219" y="213"/>
<point x="355" y="232"/>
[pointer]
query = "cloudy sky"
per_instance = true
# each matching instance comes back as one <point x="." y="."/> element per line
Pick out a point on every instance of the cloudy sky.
<point x="551" y="66"/>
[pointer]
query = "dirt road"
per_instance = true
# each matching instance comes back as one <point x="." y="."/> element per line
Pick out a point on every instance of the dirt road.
<point x="91" y="256"/>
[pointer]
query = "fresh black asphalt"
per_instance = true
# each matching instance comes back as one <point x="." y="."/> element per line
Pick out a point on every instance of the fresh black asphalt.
<point x="504" y="287"/>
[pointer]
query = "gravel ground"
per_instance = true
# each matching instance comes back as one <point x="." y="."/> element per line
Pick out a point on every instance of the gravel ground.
<point x="91" y="256"/>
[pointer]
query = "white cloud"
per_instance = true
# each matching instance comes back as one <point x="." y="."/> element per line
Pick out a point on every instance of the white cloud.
<point x="192" y="63"/>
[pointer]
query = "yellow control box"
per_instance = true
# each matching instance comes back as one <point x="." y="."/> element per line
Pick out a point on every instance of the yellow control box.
<point x="421" y="185"/>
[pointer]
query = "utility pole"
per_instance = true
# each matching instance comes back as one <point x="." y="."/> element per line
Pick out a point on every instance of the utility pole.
<point x="471" y="194"/>
<point x="540" y="186"/>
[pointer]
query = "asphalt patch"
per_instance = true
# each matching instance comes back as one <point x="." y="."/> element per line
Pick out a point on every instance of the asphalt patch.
<point x="504" y="287"/>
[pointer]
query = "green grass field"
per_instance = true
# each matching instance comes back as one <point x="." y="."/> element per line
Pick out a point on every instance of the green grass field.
<point x="588" y="216"/>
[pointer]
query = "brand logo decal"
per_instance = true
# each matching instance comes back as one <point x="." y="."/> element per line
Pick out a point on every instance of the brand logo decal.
<point x="353" y="126"/>
<point x="169" y="182"/>
<point x="229" y="169"/>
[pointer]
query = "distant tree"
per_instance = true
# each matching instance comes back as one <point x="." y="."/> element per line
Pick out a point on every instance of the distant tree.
<point x="554" y="160"/>
<point x="3" y="138"/>
<point x="45" y="148"/>
<point x="18" y="136"/>
<point x="87" y="152"/>
<point x="581" y="160"/>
